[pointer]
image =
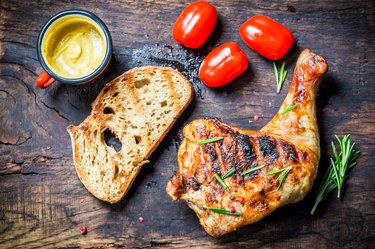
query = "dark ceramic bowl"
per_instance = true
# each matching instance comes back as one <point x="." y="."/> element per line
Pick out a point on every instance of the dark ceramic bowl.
<point x="44" y="81"/>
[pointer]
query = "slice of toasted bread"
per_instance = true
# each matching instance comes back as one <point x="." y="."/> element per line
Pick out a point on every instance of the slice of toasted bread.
<point x="138" y="108"/>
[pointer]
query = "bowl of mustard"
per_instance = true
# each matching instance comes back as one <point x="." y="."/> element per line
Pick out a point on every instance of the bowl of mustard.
<point x="73" y="47"/>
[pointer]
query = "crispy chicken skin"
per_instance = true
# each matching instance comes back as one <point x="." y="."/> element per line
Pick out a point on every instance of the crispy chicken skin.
<point x="291" y="139"/>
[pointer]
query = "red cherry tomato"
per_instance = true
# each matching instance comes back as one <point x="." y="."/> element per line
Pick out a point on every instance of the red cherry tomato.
<point x="267" y="37"/>
<point x="195" y="24"/>
<point x="223" y="64"/>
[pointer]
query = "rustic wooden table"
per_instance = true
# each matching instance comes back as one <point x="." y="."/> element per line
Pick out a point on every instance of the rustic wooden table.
<point x="40" y="191"/>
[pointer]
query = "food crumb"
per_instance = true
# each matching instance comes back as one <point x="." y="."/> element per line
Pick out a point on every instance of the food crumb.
<point x="49" y="147"/>
<point x="83" y="230"/>
<point x="81" y="200"/>
<point x="256" y="118"/>
<point x="141" y="219"/>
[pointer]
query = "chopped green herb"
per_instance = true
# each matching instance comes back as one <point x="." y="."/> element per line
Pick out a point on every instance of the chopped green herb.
<point x="252" y="170"/>
<point x="336" y="172"/>
<point x="283" y="174"/>
<point x="221" y="181"/>
<point x="288" y="109"/>
<point x="224" y="211"/>
<point x="229" y="173"/>
<point x="280" y="76"/>
<point x="210" y="140"/>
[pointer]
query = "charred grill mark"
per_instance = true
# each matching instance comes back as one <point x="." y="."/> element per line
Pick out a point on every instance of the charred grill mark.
<point x="245" y="152"/>
<point x="243" y="143"/>
<point x="268" y="147"/>
<point x="289" y="152"/>
<point x="228" y="152"/>
<point x="193" y="184"/>
<point x="213" y="158"/>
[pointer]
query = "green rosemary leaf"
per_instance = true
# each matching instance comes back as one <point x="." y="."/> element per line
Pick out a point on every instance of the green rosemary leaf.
<point x="289" y="109"/>
<point x="276" y="74"/>
<point x="280" y="76"/>
<point x="229" y="173"/>
<point x="336" y="175"/>
<point x="224" y="211"/>
<point x="252" y="170"/>
<point x="221" y="181"/>
<point x="210" y="140"/>
<point x="283" y="174"/>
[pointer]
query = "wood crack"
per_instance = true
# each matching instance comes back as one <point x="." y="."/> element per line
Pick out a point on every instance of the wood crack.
<point x="29" y="90"/>
<point x="54" y="109"/>
<point x="14" y="168"/>
<point x="18" y="141"/>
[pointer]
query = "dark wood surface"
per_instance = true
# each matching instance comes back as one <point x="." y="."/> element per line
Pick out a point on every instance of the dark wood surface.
<point x="40" y="191"/>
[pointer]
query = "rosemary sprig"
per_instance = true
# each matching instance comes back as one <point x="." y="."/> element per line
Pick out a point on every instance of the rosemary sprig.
<point x="224" y="211"/>
<point x="221" y="181"/>
<point x="210" y="140"/>
<point x="336" y="172"/>
<point x="280" y="76"/>
<point x="229" y="173"/>
<point x="283" y="174"/>
<point x="289" y="109"/>
<point x="252" y="170"/>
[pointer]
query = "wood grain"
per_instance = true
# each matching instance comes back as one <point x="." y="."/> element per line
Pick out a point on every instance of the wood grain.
<point x="40" y="191"/>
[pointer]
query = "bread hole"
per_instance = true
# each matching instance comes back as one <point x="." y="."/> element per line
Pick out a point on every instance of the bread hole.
<point x="114" y="95"/>
<point x="111" y="140"/>
<point x="141" y="83"/>
<point x="108" y="110"/>
<point x="164" y="103"/>
<point x="148" y="103"/>
<point x="116" y="170"/>
<point x="168" y="111"/>
<point x="137" y="139"/>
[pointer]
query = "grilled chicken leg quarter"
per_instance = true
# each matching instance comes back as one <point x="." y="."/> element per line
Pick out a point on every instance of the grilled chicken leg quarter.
<point x="289" y="140"/>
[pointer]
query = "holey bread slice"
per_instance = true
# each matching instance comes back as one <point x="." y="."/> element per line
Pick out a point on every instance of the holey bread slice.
<point x="138" y="108"/>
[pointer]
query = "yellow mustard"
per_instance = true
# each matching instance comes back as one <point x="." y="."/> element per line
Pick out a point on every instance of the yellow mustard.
<point x="74" y="46"/>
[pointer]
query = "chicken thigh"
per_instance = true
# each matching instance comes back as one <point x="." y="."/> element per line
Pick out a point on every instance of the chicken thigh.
<point x="270" y="168"/>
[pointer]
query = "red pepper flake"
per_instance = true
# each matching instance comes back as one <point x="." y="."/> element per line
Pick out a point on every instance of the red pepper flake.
<point x="256" y="117"/>
<point x="241" y="200"/>
<point x="239" y="180"/>
<point x="278" y="197"/>
<point x="231" y="208"/>
<point x="83" y="230"/>
<point x="141" y="219"/>
<point x="81" y="200"/>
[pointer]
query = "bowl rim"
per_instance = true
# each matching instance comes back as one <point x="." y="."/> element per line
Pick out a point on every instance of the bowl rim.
<point x="98" y="70"/>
